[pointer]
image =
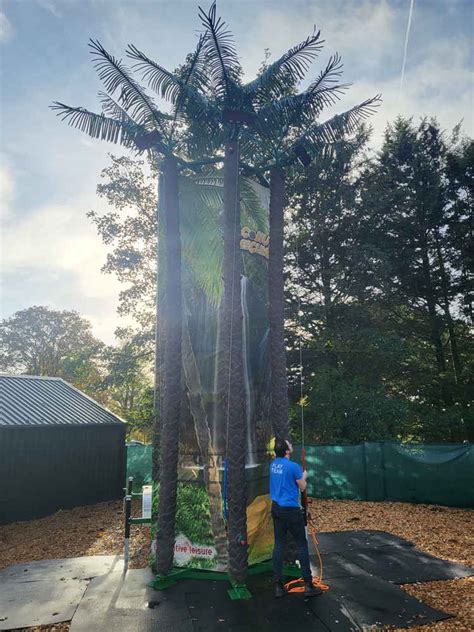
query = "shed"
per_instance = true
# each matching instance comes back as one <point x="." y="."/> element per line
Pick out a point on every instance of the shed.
<point x="58" y="448"/>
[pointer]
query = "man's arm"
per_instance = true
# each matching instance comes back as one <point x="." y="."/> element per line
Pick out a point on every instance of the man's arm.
<point x="302" y="481"/>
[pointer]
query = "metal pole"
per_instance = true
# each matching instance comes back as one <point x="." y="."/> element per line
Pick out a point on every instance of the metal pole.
<point x="128" y="513"/>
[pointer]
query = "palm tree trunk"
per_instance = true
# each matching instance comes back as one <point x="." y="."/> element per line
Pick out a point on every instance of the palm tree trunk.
<point x="159" y="337"/>
<point x="279" y="383"/>
<point x="232" y="352"/>
<point x="169" y="446"/>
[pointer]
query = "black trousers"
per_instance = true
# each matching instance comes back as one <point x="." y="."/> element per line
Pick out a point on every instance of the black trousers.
<point x="289" y="519"/>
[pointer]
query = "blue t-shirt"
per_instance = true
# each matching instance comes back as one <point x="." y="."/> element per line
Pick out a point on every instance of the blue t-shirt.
<point x="283" y="476"/>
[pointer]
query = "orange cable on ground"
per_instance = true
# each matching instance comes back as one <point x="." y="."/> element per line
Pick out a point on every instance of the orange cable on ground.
<point x="297" y="585"/>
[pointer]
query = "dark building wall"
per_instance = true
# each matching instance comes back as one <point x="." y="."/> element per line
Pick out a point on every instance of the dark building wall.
<point x="43" y="469"/>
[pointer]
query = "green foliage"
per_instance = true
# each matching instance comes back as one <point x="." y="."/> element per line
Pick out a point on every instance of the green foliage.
<point x="42" y="341"/>
<point x="381" y="246"/>
<point x="192" y="515"/>
<point x="128" y="383"/>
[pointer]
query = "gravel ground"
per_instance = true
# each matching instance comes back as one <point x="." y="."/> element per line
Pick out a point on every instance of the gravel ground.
<point x="98" y="530"/>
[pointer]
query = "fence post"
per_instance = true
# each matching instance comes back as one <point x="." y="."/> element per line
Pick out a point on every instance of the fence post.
<point x="128" y="513"/>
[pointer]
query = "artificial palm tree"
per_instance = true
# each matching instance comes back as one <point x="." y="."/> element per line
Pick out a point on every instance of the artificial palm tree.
<point x="283" y="128"/>
<point x="134" y="121"/>
<point x="233" y="110"/>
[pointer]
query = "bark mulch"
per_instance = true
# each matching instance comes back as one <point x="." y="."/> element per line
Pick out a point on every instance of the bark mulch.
<point x="98" y="530"/>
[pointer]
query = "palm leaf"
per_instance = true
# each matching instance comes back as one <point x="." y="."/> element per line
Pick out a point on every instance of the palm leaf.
<point x="253" y="212"/>
<point x="334" y="129"/>
<point x="300" y="109"/>
<point x="201" y="235"/>
<point x="293" y="64"/>
<point x="195" y="79"/>
<point x="251" y="208"/>
<point x="112" y="109"/>
<point x="329" y="75"/>
<point x="221" y="54"/>
<point x="99" y="126"/>
<point x="115" y="76"/>
<point x="201" y="203"/>
<point x="168" y="84"/>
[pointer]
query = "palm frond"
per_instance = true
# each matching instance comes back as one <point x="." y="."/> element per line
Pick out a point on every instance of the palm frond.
<point x="203" y="137"/>
<point x="253" y="211"/>
<point x="259" y="144"/>
<point x="329" y="75"/>
<point x="221" y="54"/>
<point x="334" y="129"/>
<point x="195" y="72"/>
<point x="251" y="205"/>
<point x="133" y="97"/>
<point x="99" y="126"/>
<point x="201" y="235"/>
<point x="293" y="64"/>
<point x="300" y="109"/>
<point x="166" y="83"/>
<point x="201" y="203"/>
<point x="112" y="109"/>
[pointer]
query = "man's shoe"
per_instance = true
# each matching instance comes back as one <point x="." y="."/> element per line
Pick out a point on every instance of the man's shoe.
<point x="311" y="591"/>
<point x="279" y="590"/>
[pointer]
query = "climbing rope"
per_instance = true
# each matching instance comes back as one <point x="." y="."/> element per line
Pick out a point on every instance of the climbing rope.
<point x="224" y="492"/>
<point x="297" y="585"/>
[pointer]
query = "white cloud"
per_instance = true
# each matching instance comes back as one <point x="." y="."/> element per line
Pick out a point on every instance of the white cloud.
<point x="6" y="29"/>
<point x="7" y="192"/>
<point x="436" y="86"/>
<point x="366" y="30"/>
<point x="51" y="6"/>
<point x="56" y="249"/>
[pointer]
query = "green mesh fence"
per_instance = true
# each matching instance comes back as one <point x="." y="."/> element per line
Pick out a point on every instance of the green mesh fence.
<point x="139" y="465"/>
<point x="417" y="473"/>
<point x="439" y="474"/>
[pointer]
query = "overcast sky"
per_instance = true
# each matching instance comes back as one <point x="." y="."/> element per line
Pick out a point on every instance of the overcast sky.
<point x="50" y="253"/>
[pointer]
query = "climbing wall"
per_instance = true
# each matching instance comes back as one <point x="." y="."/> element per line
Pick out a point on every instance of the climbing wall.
<point x="201" y="516"/>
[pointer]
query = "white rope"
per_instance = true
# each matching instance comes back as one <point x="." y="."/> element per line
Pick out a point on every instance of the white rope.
<point x="300" y="344"/>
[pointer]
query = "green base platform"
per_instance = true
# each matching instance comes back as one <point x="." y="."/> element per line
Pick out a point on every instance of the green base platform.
<point x="238" y="591"/>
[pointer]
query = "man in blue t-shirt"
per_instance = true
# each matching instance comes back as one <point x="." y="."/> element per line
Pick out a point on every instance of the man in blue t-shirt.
<point x="287" y="480"/>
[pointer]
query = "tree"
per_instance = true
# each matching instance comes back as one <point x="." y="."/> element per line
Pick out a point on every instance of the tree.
<point x="42" y="341"/>
<point x="231" y="106"/>
<point x="130" y="229"/>
<point x="288" y="131"/>
<point x="411" y="206"/>
<point x="347" y="358"/>
<point x="136" y="122"/>
<point x="128" y="383"/>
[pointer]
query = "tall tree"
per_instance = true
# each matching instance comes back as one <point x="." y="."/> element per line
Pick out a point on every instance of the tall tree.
<point x="220" y="121"/>
<point x="411" y="207"/>
<point x="127" y="382"/>
<point x="135" y="122"/>
<point x="288" y="130"/>
<point x="42" y="341"/>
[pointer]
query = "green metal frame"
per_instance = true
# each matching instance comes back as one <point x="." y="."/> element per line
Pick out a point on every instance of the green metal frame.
<point x="238" y="591"/>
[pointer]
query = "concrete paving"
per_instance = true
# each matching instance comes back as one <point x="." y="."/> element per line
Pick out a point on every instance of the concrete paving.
<point x="361" y="568"/>
<point x="48" y="591"/>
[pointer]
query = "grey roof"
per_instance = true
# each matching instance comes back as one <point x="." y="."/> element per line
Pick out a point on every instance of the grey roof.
<point x="27" y="400"/>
